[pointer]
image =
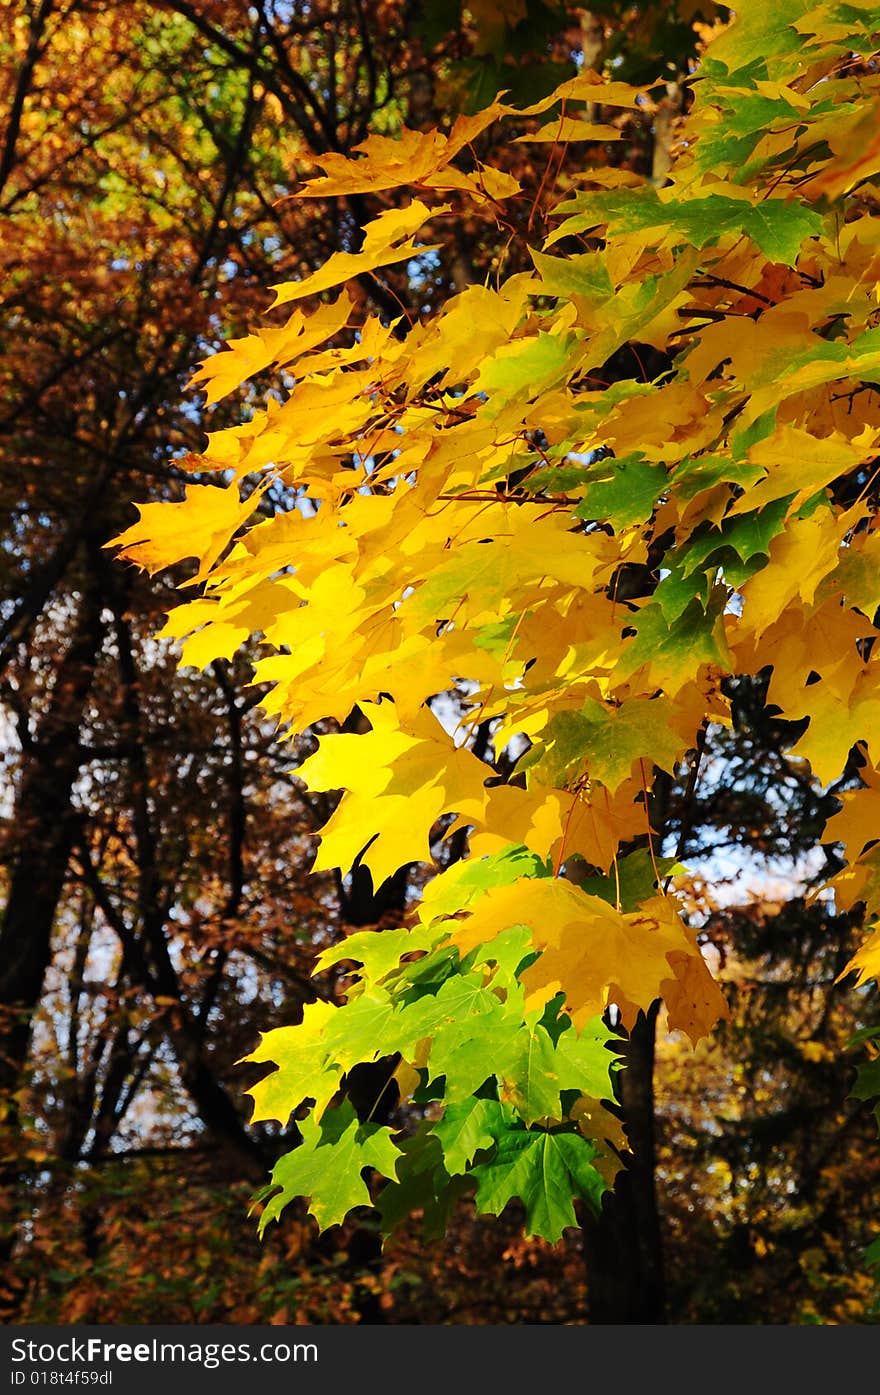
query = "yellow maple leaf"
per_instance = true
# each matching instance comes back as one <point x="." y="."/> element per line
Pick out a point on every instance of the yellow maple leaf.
<point x="607" y="957"/>
<point x="384" y="162"/>
<point x="866" y="960"/>
<point x="799" y="558"/>
<point x="301" y="1059"/>
<point x="855" y="139"/>
<point x="590" y="951"/>
<point x="694" y="1001"/>
<point x="572" y="128"/>
<point x="378" y="250"/>
<point x="200" y="526"/>
<point x="858" y="822"/>
<point x="837" y="723"/>
<point x="398" y="783"/>
<point x="801" y="464"/>
<point x="591" y="87"/>
<point x="224" y="372"/>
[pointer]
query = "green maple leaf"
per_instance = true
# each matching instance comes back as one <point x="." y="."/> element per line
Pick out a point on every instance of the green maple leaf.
<point x="422" y="1184"/>
<point x="867" y="1081"/>
<point x="467" y="1127"/>
<point x="759" y="34"/>
<point x="326" y="1168"/>
<point x="699" y="473"/>
<point x="606" y="741"/>
<point x="546" y="1171"/>
<point x="583" y="1062"/>
<point x="739" y="547"/>
<point x="541" y="1069"/>
<point x="468" y="1051"/>
<point x="379" y="951"/>
<point x="777" y="226"/>
<point x="858" y="577"/>
<point x="472" y="1032"/>
<point x="747" y="117"/>
<point x="634" y="881"/>
<point x="677" y="590"/>
<point x="529" y="364"/>
<point x="623" y="492"/>
<point x="305" y="1068"/>
<point x="824" y="361"/>
<point x="674" y="648"/>
<point x="583" y="274"/>
<point x="362" y="1030"/>
<point x="461" y="995"/>
<point x="507" y="952"/>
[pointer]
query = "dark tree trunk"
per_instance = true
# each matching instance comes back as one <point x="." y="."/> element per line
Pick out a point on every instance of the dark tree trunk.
<point x="45" y="827"/>
<point x="45" y="823"/>
<point x="623" y="1247"/>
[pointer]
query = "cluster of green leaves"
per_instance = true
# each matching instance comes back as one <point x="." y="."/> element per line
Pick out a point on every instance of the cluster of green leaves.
<point x="454" y="1029"/>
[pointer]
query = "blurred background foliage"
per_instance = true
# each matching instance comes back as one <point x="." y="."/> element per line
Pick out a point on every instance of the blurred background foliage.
<point x="154" y="842"/>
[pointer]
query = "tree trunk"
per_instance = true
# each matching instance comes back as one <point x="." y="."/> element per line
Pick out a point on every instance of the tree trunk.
<point x="623" y="1247"/>
<point x="45" y="827"/>
<point x="45" y="824"/>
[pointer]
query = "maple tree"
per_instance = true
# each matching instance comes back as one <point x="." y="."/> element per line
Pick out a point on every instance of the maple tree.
<point x="484" y="530"/>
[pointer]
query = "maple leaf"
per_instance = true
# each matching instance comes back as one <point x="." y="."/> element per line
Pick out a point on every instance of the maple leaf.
<point x="589" y="949"/>
<point x="222" y="373"/>
<point x="304" y="1068"/>
<point x="777" y="227"/>
<point x="458" y="886"/>
<point x="328" y="1165"/>
<point x="857" y="573"/>
<point x="694" y="1001"/>
<point x="592" y="87"/>
<point x="467" y="1128"/>
<point x="866" y="960"/>
<point x="473" y="1034"/>
<point x="399" y="784"/>
<point x="530" y="363"/>
<point x="199" y="526"/>
<point x="799" y="559"/>
<point x="379" y="952"/>
<point x="670" y="650"/>
<point x="860" y="881"/>
<point x="414" y="157"/>
<point x="856" y="143"/>
<point x="798" y="465"/>
<point x="859" y="818"/>
<point x="584" y="274"/>
<point x="542" y="1069"/>
<point x="545" y="1171"/>
<point x="572" y="128"/>
<point x="378" y="249"/>
<point x="608" y="742"/>
<point x="623" y="492"/>
<point x="423" y="1186"/>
